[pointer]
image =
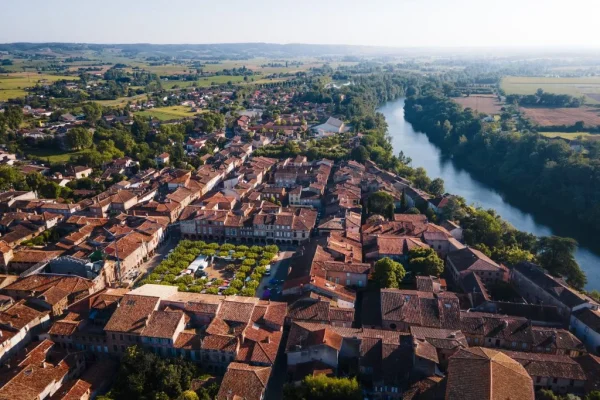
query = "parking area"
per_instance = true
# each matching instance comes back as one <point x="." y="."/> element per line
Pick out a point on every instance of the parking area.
<point x="220" y="269"/>
<point x="272" y="284"/>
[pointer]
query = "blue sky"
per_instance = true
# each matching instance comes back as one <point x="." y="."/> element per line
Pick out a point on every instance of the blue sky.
<point x="401" y="23"/>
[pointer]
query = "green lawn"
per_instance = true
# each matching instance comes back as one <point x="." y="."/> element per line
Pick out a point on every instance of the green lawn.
<point x="168" y="113"/>
<point x="121" y="101"/>
<point x="586" y="86"/>
<point x="569" y="135"/>
<point x="13" y="85"/>
<point x="52" y="155"/>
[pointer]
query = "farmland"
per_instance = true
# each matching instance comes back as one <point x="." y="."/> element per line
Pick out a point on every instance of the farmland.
<point x="168" y="113"/>
<point x="563" y="116"/>
<point x="570" y="135"/>
<point x="482" y="104"/>
<point x="14" y="85"/>
<point x="586" y="86"/>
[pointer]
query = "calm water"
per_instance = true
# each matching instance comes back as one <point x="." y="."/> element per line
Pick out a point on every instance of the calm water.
<point x="425" y="154"/>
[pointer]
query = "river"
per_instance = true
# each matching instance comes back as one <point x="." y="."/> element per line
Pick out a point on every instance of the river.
<point x="458" y="181"/>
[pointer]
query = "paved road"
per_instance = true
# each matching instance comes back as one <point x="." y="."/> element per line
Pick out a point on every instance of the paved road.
<point x="161" y="252"/>
<point x="279" y="271"/>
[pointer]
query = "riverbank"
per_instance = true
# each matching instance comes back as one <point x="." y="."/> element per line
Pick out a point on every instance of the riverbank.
<point x="461" y="182"/>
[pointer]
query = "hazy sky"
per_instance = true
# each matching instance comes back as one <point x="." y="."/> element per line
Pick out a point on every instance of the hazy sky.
<point x="370" y="22"/>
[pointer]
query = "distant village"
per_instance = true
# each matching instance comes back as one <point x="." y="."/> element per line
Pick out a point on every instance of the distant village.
<point x="72" y="303"/>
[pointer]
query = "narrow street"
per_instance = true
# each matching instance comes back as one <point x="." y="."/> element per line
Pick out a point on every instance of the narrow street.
<point x="161" y="252"/>
<point x="279" y="271"/>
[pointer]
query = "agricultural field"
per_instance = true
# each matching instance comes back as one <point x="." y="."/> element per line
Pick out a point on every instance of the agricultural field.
<point x="14" y="85"/>
<point x="585" y="86"/>
<point x="570" y="135"/>
<point x="168" y="113"/>
<point x="121" y="101"/>
<point x="481" y="103"/>
<point x="563" y="116"/>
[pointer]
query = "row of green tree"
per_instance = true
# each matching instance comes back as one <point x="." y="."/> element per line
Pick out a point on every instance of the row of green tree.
<point x="546" y="172"/>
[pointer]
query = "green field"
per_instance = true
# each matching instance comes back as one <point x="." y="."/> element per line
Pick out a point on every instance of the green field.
<point x="52" y="155"/>
<point x="168" y="113"/>
<point x="121" y="101"/>
<point x="569" y="135"/>
<point x="587" y="86"/>
<point x="13" y="85"/>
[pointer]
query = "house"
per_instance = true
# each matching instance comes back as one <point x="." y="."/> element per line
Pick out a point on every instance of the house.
<point x="314" y="308"/>
<point x="517" y="333"/>
<point x="162" y="159"/>
<point x="41" y="372"/>
<point x="50" y="292"/>
<point x="401" y="309"/>
<point x="204" y="328"/>
<point x="331" y="126"/>
<point x="585" y="324"/>
<point x="18" y="325"/>
<point x="66" y="209"/>
<point x="82" y="172"/>
<point x="243" y="381"/>
<point x="461" y="262"/>
<point x="560" y="374"/>
<point x="479" y="374"/>
<point x="538" y="287"/>
<point x="394" y="247"/>
<point x="384" y="358"/>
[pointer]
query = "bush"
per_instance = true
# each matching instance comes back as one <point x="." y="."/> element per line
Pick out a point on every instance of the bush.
<point x="186" y="280"/>
<point x="218" y="282"/>
<point x="212" y="290"/>
<point x="252" y="284"/>
<point x="245" y="269"/>
<point x="269" y="256"/>
<point x="251" y="262"/>
<point x="240" y="275"/>
<point x="213" y="246"/>
<point x="256" y="249"/>
<point x="208" y="252"/>
<point x="241" y="248"/>
<point x="236" y="283"/>
<point x="227" y="247"/>
<point x="272" y="248"/>
<point x="238" y="255"/>
<point x="264" y="262"/>
<point x="255" y="277"/>
<point x="170" y="278"/>
<point x="248" y="292"/>
<point x="252" y="255"/>
<point x="230" y="291"/>
<point x="196" y="288"/>
<point x="230" y="268"/>
<point x="260" y="270"/>
<point x="161" y="269"/>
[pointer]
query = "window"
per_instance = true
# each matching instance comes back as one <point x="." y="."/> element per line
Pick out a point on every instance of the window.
<point x="555" y="380"/>
<point x="514" y="344"/>
<point x="347" y="282"/>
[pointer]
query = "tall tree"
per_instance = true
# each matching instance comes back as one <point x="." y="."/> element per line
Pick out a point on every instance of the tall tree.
<point x="79" y="138"/>
<point x="425" y="261"/>
<point x="388" y="273"/>
<point x="556" y="255"/>
<point x="381" y="203"/>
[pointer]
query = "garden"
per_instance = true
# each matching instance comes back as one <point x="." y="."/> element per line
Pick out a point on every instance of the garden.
<point x="245" y="264"/>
